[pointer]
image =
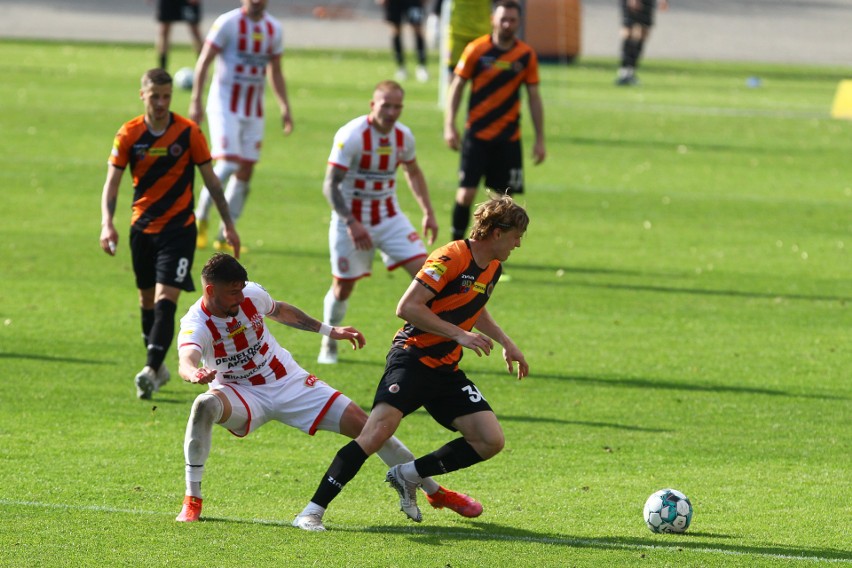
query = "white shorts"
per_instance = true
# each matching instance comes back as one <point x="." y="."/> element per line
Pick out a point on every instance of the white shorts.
<point x="395" y="238"/>
<point x="301" y="401"/>
<point x="233" y="138"/>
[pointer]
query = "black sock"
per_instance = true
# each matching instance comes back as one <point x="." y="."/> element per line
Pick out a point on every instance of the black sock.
<point x="626" y="49"/>
<point x="637" y="52"/>
<point x="632" y="53"/>
<point x="162" y="333"/>
<point x="343" y="468"/>
<point x="421" y="50"/>
<point x="396" y="41"/>
<point x="163" y="59"/>
<point x="453" y="456"/>
<point x="147" y="324"/>
<point x="461" y="217"/>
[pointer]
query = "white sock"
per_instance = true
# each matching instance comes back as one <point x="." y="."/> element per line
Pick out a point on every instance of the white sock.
<point x="235" y="193"/>
<point x="333" y="310"/>
<point x="313" y="509"/>
<point x="394" y="452"/>
<point x="409" y="472"/>
<point x="206" y="410"/>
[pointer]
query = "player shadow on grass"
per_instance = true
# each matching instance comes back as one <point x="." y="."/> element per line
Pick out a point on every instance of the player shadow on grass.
<point x="485" y="531"/>
<point x="663" y="384"/>
<point x="518" y="275"/>
<point x="52" y="358"/>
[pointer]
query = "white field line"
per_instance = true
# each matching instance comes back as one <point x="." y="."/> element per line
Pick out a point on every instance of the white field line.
<point x="588" y="543"/>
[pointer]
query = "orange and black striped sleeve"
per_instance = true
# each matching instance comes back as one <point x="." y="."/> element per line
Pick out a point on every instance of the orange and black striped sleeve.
<point x="461" y="291"/>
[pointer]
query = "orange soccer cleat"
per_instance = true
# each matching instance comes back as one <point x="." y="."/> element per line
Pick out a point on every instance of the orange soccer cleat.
<point x="191" y="510"/>
<point x="458" y="502"/>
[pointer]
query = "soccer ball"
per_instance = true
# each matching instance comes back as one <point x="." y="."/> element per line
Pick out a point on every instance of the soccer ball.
<point x="668" y="511"/>
<point x="183" y="78"/>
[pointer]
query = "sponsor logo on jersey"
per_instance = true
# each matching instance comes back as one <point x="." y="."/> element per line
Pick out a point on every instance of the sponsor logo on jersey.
<point x="157" y="152"/>
<point x="467" y="282"/>
<point x="175" y="150"/>
<point x="394" y="388"/>
<point x="384" y="150"/>
<point x="479" y="287"/>
<point x="235" y="328"/>
<point x="311" y="381"/>
<point x="140" y="150"/>
<point x="435" y="271"/>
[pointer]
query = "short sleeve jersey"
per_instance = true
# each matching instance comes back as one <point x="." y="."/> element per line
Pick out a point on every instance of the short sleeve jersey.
<point x="163" y="168"/>
<point x="240" y="348"/>
<point x="494" y="106"/>
<point x="461" y="291"/>
<point x="370" y="159"/>
<point x="246" y="49"/>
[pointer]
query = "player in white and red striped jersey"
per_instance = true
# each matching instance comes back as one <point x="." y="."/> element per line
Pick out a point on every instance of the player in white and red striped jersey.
<point x="360" y="184"/>
<point x="247" y="44"/>
<point x="224" y="343"/>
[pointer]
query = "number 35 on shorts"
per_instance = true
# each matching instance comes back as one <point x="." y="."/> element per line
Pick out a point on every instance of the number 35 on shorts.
<point x="473" y="393"/>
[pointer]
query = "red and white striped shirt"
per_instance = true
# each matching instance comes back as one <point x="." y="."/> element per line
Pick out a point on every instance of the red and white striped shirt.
<point x="370" y="159"/>
<point x="240" y="348"/>
<point x="246" y="48"/>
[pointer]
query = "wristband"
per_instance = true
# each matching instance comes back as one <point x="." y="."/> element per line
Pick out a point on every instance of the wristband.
<point x="325" y="329"/>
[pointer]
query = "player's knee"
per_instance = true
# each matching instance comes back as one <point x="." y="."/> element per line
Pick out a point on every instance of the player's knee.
<point x="207" y="408"/>
<point x="490" y="445"/>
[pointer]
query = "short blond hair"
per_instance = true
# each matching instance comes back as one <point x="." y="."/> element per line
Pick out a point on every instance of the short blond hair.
<point x="499" y="212"/>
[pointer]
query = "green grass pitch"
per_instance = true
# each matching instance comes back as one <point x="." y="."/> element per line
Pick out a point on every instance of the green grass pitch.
<point x="682" y="297"/>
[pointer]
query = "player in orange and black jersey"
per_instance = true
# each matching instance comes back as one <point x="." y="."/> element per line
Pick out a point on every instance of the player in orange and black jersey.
<point x="451" y="274"/>
<point x="162" y="149"/>
<point x="497" y="65"/>
<point x="441" y="307"/>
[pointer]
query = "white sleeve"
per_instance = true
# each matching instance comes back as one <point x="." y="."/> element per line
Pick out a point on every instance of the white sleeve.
<point x="193" y="334"/>
<point x="343" y="149"/>
<point x="408" y="153"/>
<point x="262" y="300"/>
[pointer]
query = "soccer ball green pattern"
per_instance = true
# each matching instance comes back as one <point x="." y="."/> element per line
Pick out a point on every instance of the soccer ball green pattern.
<point x="668" y="511"/>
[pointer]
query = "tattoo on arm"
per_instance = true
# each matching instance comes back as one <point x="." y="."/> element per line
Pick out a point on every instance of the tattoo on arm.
<point x="293" y="317"/>
<point x="332" y="191"/>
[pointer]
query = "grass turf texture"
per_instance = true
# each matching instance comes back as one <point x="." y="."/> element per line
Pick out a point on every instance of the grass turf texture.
<point x="682" y="297"/>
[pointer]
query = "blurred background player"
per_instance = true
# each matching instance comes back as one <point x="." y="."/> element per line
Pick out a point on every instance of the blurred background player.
<point x="247" y="44"/>
<point x="497" y="65"/>
<point x="170" y="11"/>
<point x="162" y="149"/>
<point x="469" y="19"/>
<point x="637" y="18"/>
<point x="360" y="186"/>
<point x="412" y="11"/>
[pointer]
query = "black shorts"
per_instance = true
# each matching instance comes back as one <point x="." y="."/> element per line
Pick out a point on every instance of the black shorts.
<point x="411" y="10"/>
<point x="643" y="16"/>
<point x="408" y="384"/>
<point x="164" y="259"/>
<point x="178" y="11"/>
<point x="500" y="162"/>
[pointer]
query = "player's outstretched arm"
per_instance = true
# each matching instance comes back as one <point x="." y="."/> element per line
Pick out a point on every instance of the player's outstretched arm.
<point x="292" y="316"/>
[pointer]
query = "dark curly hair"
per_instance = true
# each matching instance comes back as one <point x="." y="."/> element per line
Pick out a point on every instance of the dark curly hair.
<point x="223" y="269"/>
